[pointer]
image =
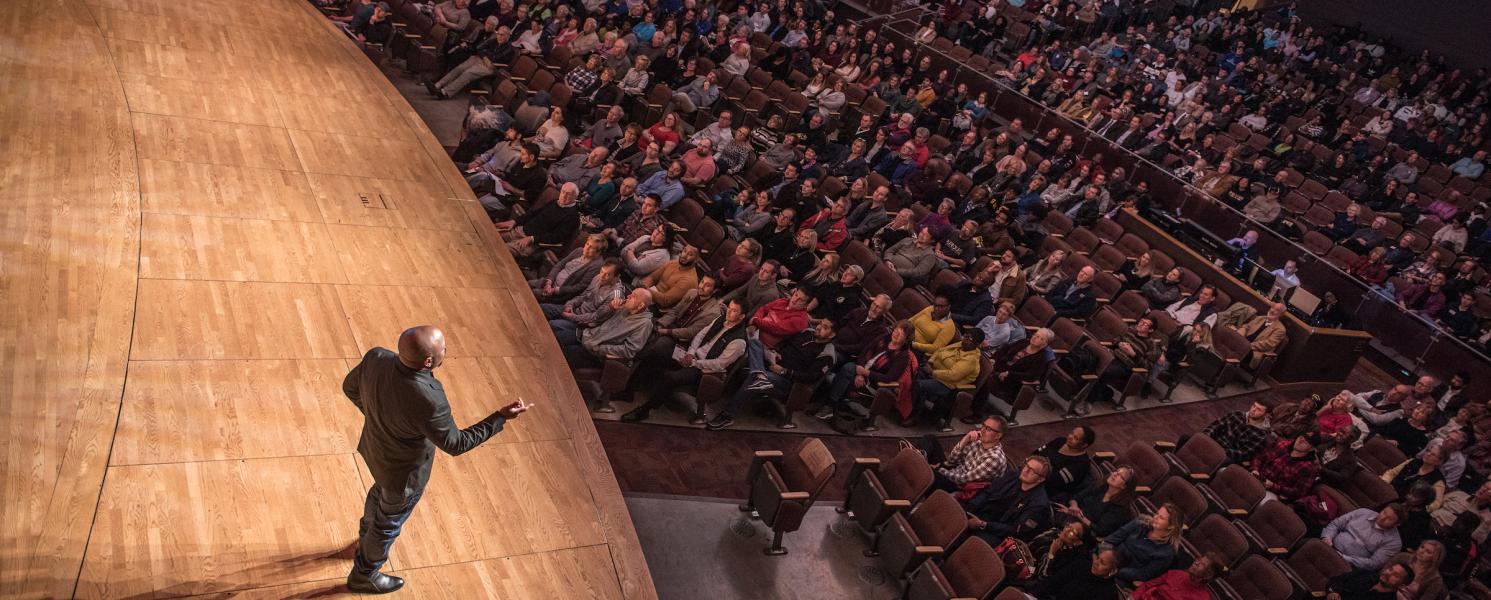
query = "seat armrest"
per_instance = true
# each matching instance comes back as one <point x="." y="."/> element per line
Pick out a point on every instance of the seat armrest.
<point x="928" y="550"/>
<point x="1104" y="456"/>
<point x="795" y="495"/>
<point x="899" y="504"/>
<point x="1163" y="446"/>
<point x="769" y="454"/>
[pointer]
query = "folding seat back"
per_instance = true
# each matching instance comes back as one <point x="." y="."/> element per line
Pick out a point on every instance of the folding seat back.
<point x="1234" y="491"/>
<point x="1317" y="243"/>
<point x="1214" y="533"/>
<point x="1272" y="528"/>
<point x="1053" y="243"/>
<point x="907" y="303"/>
<point x="1148" y="465"/>
<point x="1105" y="326"/>
<point x="721" y="255"/>
<point x="1057" y="224"/>
<point x="1255" y="579"/>
<point x="1132" y="245"/>
<point x="1109" y="259"/>
<point x="883" y="281"/>
<point x="1108" y="230"/>
<point x="857" y="253"/>
<point x="1083" y="240"/>
<point x="1368" y="489"/>
<point x="1130" y="305"/>
<point x="1068" y="334"/>
<point x="973" y="571"/>
<point x="782" y="488"/>
<point x="1378" y="455"/>
<point x="1176" y="490"/>
<point x="706" y="236"/>
<point x="1106" y="286"/>
<point x="878" y="490"/>
<point x="686" y="213"/>
<point x="1035" y="312"/>
<point x="928" y="531"/>
<point x="1312" y="566"/>
<point x="1200" y="457"/>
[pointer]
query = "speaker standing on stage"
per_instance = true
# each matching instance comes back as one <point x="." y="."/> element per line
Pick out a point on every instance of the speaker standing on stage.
<point x="406" y="418"/>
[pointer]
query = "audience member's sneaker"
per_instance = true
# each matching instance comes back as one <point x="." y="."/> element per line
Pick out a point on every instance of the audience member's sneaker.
<point x="720" y="421"/>
<point x="760" y="383"/>
<point x="825" y="413"/>
<point x="945" y="425"/>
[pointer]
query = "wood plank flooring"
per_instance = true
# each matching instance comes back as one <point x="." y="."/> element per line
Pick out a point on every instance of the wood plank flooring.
<point x="214" y="208"/>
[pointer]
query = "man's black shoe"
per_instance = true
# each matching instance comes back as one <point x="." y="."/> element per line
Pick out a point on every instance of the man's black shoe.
<point x="721" y="421"/>
<point x="434" y="91"/>
<point x="377" y="583"/>
<point x="634" y="416"/>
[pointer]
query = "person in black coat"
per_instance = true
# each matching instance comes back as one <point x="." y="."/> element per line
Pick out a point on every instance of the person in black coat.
<point x="1075" y="298"/>
<point x="406" y="418"/>
<point x="970" y="299"/>
<point x="1087" y="579"/>
<point x="1012" y="505"/>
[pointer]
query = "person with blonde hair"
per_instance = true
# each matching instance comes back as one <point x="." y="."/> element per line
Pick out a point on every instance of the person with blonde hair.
<point x="1148" y="545"/>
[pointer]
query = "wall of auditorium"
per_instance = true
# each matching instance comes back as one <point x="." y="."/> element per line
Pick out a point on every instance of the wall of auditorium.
<point x="1454" y="28"/>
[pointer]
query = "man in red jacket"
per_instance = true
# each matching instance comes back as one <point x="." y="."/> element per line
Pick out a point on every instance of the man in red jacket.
<point x="781" y="318"/>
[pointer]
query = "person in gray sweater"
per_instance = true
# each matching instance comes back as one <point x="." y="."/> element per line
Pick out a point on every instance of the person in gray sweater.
<point x="914" y="257"/>
<point x="759" y="291"/>
<point x="619" y="337"/>
<point x="590" y="307"/>
<point x="571" y="274"/>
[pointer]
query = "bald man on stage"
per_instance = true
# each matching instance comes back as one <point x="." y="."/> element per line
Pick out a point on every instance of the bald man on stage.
<point x="406" y="417"/>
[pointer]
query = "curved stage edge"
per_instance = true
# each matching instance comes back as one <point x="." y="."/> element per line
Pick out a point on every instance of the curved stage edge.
<point x="213" y="208"/>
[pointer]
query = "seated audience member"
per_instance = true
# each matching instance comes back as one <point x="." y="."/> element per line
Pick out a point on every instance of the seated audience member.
<point x="1070" y="464"/>
<point x="621" y="336"/>
<point x="711" y="351"/>
<point x="1001" y="328"/>
<point x="1047" y="273"/>
<point x="1410" y="434"/>
<point x="741" y="266"/>
<point x="1199" y="308"/>
<point x="1138" y="348"/>
<point x="1288" y="467"/>
<point x="835" y="299"/>
<point x="698" y="307"/>
<point x="1083" y="580"/>
<point x="1014" y="505"/>
<point x="1451" y="442"/>
<point x="978" y="457"/>
<point x="494" y="51"/>
<point x="1016" y="364"/>
<point x="863" y="327"/>
<point x="934" y="327"/>
<point x="1265" y="334"/>
<point x="804" y="358"/>
<point x="1103" y="506"/>
<point x="913" y="258"/>
<point x="1242" y="434"/>
<point x="887" y="360"/>
<point x="578" y="169"/>
<point x="1184" y="584"/>
<point x="1162" y="291"/>
<point x="948" y="370"/>
<point x="1459" y="503"/>
<point x="572" y="274"/>
<point x="1425" y="562"/>
<point x="1364" y="537"/>
<point x="761" y="290"/>
<point x="1371" y="584"/>
<point x="592" y="306"/>
<point x="1148" y="545"/>
<point x="1337" y="459"/>
<point x="1425" y="468"/>
<point x="552" y="224"/>
<point x="1074" y="298"/>
<point x="670" y="282"/>
<point x="779" y="319"/>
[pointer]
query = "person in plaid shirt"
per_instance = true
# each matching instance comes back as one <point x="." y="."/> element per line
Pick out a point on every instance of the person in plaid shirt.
<point x="1241" y="434"/>
<point x="582" y="79"/>
<point x="979" y="456"/>
<point x="1288" y="467"/>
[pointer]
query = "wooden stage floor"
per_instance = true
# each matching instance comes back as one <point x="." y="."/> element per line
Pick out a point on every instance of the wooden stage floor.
<point x="190" y="267"/>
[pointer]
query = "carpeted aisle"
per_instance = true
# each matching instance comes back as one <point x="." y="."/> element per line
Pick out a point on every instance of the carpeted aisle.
<point x="707" y="549"/>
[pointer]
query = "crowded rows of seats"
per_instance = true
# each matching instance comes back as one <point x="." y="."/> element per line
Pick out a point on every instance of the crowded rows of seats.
<point x="1302" y="499"/>
<point x="1317" y="164"/>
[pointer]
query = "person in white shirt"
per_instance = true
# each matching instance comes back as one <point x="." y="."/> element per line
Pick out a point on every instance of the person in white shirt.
<point x="1197" y="308"/>
<point x="1287" y="276"/>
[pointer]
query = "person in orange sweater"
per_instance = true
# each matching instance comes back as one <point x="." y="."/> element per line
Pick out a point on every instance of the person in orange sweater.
<point x="1189" y="584"/>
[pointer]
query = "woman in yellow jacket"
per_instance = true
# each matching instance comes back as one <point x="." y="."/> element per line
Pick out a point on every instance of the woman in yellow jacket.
<point x="950" y="369"/>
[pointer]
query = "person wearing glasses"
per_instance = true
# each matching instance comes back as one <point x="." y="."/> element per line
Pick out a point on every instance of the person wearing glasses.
<point x="977" y="457"/>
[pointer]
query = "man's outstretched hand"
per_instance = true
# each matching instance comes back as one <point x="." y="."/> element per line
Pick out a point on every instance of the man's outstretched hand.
<point x="512" y="411"/>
